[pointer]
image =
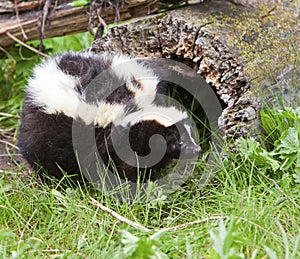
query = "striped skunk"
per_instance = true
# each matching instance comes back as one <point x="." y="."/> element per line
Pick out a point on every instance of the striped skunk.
<point x="110" y="96"/>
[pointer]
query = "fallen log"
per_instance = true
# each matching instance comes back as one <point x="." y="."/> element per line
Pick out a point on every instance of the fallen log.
<point x="22" y="20"/>
<point x="238" y="49"/>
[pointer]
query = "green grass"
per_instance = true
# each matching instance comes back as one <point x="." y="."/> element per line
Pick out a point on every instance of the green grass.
<point x="249" y="209"/>
<point x="49" y="221"/>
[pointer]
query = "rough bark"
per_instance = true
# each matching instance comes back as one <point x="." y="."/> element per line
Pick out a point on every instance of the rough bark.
<point x="238" y="49"/>
<point x="22" y="20"/>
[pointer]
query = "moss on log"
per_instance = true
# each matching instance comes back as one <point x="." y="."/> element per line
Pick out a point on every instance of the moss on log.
<point x="238" y="49"/>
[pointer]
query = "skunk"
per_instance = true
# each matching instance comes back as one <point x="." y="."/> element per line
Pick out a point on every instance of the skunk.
<point x="111" y="97"/>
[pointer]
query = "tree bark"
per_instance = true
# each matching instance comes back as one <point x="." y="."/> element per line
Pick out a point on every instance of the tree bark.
<point x="239" y="49"/>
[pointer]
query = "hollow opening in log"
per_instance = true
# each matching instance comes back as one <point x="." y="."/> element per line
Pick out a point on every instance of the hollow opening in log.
<point x="196" y="111"/>
<point x="195" y="66"/>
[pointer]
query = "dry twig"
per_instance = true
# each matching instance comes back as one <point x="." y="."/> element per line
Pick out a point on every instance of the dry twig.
<point x="9" y="144"/>
<point x="24" y="44"/>
<point x="118" y="216"/>
<point x="141" y="227"/>
<point x="199" y="221"/>
<point x="18" y="19"/>
<point x="42" y="22"/>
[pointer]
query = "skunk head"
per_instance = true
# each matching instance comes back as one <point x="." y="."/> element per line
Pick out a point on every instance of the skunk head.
<point x="176" y="138"/>
<point x="170" y="124"/>
<point x="146" y="141"/>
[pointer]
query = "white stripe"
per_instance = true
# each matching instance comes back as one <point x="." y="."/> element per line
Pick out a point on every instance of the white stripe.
<point x="53" y="90"/>
<point x="128" y="68"/>
<point x="189" y="131"/>
<point x="165" y="116"/>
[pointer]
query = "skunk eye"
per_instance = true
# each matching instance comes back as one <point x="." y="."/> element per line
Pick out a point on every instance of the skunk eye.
<point x="136" y="83"/>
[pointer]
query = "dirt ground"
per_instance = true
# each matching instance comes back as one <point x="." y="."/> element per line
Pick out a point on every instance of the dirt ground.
<point x="11" y="161"/>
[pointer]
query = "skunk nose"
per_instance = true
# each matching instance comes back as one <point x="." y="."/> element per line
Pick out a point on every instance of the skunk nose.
<point x="189" y="150"/>
<point x="197" y="149"/>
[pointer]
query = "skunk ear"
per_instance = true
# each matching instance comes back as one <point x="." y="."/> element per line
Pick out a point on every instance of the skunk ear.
<point x="162" y="86"/>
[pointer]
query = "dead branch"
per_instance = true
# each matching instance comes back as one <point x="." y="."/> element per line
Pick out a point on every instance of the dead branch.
<point x="25" y="45"/>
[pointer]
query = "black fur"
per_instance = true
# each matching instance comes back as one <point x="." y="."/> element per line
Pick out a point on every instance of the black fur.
<point x="46" y="139"/>
<point x="87" y="69"/>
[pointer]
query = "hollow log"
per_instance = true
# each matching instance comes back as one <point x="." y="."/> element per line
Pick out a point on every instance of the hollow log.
<point x="241" y="50"/>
